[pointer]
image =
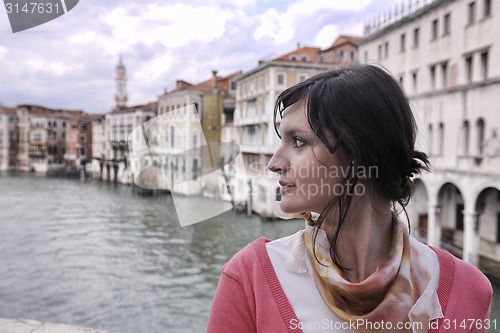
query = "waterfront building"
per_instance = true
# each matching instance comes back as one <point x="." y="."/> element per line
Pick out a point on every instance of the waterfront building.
<point x="98" y="144"/>
<point x="8" y="138"/>
<point x="120" y="153"/>
<point x="256" y="94"/>
<point x="189" y="121"/>
<point x="442" y="52"/>
<point x="117" y="154"/>
<point x="42" y="137"/>
<point x="39" y="139"/>
<point x="78" y="140"/>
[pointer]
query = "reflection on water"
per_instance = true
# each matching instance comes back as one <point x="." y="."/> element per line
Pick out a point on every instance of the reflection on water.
<point x="97" y="255"/>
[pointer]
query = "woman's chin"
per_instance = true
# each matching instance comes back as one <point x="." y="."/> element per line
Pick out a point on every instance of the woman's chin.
<point x="289" y="208"/>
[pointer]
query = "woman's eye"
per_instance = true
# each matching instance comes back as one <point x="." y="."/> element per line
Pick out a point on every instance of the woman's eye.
<point x="298" y="142"/>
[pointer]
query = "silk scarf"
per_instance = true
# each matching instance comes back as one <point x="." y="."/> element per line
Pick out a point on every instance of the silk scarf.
<point x="382" y="302"/>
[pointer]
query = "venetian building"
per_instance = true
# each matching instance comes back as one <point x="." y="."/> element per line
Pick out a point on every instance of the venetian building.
<point x="442" y="52"/>
<point x="189" y="130"/>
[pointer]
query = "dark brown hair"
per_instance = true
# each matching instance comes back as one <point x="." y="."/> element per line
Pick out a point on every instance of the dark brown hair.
<point x="366" y="110"/>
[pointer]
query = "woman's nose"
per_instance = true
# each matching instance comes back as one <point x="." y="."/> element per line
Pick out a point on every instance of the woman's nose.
<point x="277" y="163"/>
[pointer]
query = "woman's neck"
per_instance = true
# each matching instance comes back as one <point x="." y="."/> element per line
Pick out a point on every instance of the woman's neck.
<point x="365" y="238"/>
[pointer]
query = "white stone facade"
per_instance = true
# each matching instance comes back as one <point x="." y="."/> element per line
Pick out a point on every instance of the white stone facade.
<point x="443" y="53"/>
<point x="119" y="149"/>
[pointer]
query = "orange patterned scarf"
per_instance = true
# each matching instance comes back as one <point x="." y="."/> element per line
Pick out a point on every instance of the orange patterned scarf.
<point x="382" y="302"/>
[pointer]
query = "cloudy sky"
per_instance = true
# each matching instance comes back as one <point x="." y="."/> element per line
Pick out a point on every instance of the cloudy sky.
<point x="70" y="61"/>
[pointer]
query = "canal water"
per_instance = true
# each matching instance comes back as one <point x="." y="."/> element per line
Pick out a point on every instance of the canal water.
<point x="97" y="255"/>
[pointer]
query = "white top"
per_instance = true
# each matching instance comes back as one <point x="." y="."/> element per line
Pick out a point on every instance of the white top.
<point x="292" y="266"/>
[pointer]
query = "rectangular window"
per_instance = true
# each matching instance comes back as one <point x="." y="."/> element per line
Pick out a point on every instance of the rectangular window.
<point x="386" y="50"/>
<point x="487" y="8"/>
<point x="281" y="79"/>
<point x="414" y="76"/>
<point x="251" y="135"/>
<point x="435" y="29"/>
<point x="416" y="37"/>
<point x="433" y="76"/>
<point x="472" y="13"/>
<point x="380" y="52"/>
<point x="484" y="65"/>
<point x="402" y="42"/>
<point x="366" y="60"/>
<point x="446" y="24"/>
<point x="468" y="68"/>
<point x="444" y="72"/>
<point x="251" y="108"/>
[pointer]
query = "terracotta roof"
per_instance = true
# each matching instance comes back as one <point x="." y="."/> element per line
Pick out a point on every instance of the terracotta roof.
<point x="344" y="39"/>
<point x="11" y="111"/>
<point x="97" y="117"/>
<point x="42" y="111"/>
<point x="150" y="106"/>
<point x="311" y="55"/>
<point x="216" y="81"/>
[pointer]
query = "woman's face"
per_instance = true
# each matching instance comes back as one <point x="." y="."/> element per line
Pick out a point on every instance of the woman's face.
<point x="309" y="173"/>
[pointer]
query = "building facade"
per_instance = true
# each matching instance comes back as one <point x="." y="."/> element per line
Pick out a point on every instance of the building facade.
<point x="78" y="140"/>
<point x="120" y="153"/>
<point x="98" y="144"/>
<point x="188" y="139"/>
<point x="8" y="138"/>
<point x="442" y="52"/>
<point x="36" y="139"/>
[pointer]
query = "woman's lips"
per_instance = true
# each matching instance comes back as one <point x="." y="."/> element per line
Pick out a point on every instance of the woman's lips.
<point x="285" y="187"/>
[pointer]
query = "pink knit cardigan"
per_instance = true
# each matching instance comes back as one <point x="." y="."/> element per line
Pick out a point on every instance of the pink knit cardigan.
<point x="249" y="297"/>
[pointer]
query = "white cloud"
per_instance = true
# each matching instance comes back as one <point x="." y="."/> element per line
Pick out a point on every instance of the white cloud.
<point x="357" y="29"/>
<point x="281" y="27"/>
<point x="3" y="53"/>
<point x="83" y="37"/>
<point x="306" y="6"/>
<point x="161" y="41"/>
<point x="154" y="70"/>
<point x="326" y="35"/>
<point x="171" y="25"/>
<point x="278" y="27"/>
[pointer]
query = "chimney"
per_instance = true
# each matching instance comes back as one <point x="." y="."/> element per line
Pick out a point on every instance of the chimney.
<point x="214" y="79"/>
<point x="178" y="84"/>
<point x="298" y="45"/>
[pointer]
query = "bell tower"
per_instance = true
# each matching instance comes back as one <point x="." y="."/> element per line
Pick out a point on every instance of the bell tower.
<point x="121" y="85"/>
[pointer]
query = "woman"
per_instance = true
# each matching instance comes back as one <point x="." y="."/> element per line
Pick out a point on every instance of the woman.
<point x="345" y="163"/>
